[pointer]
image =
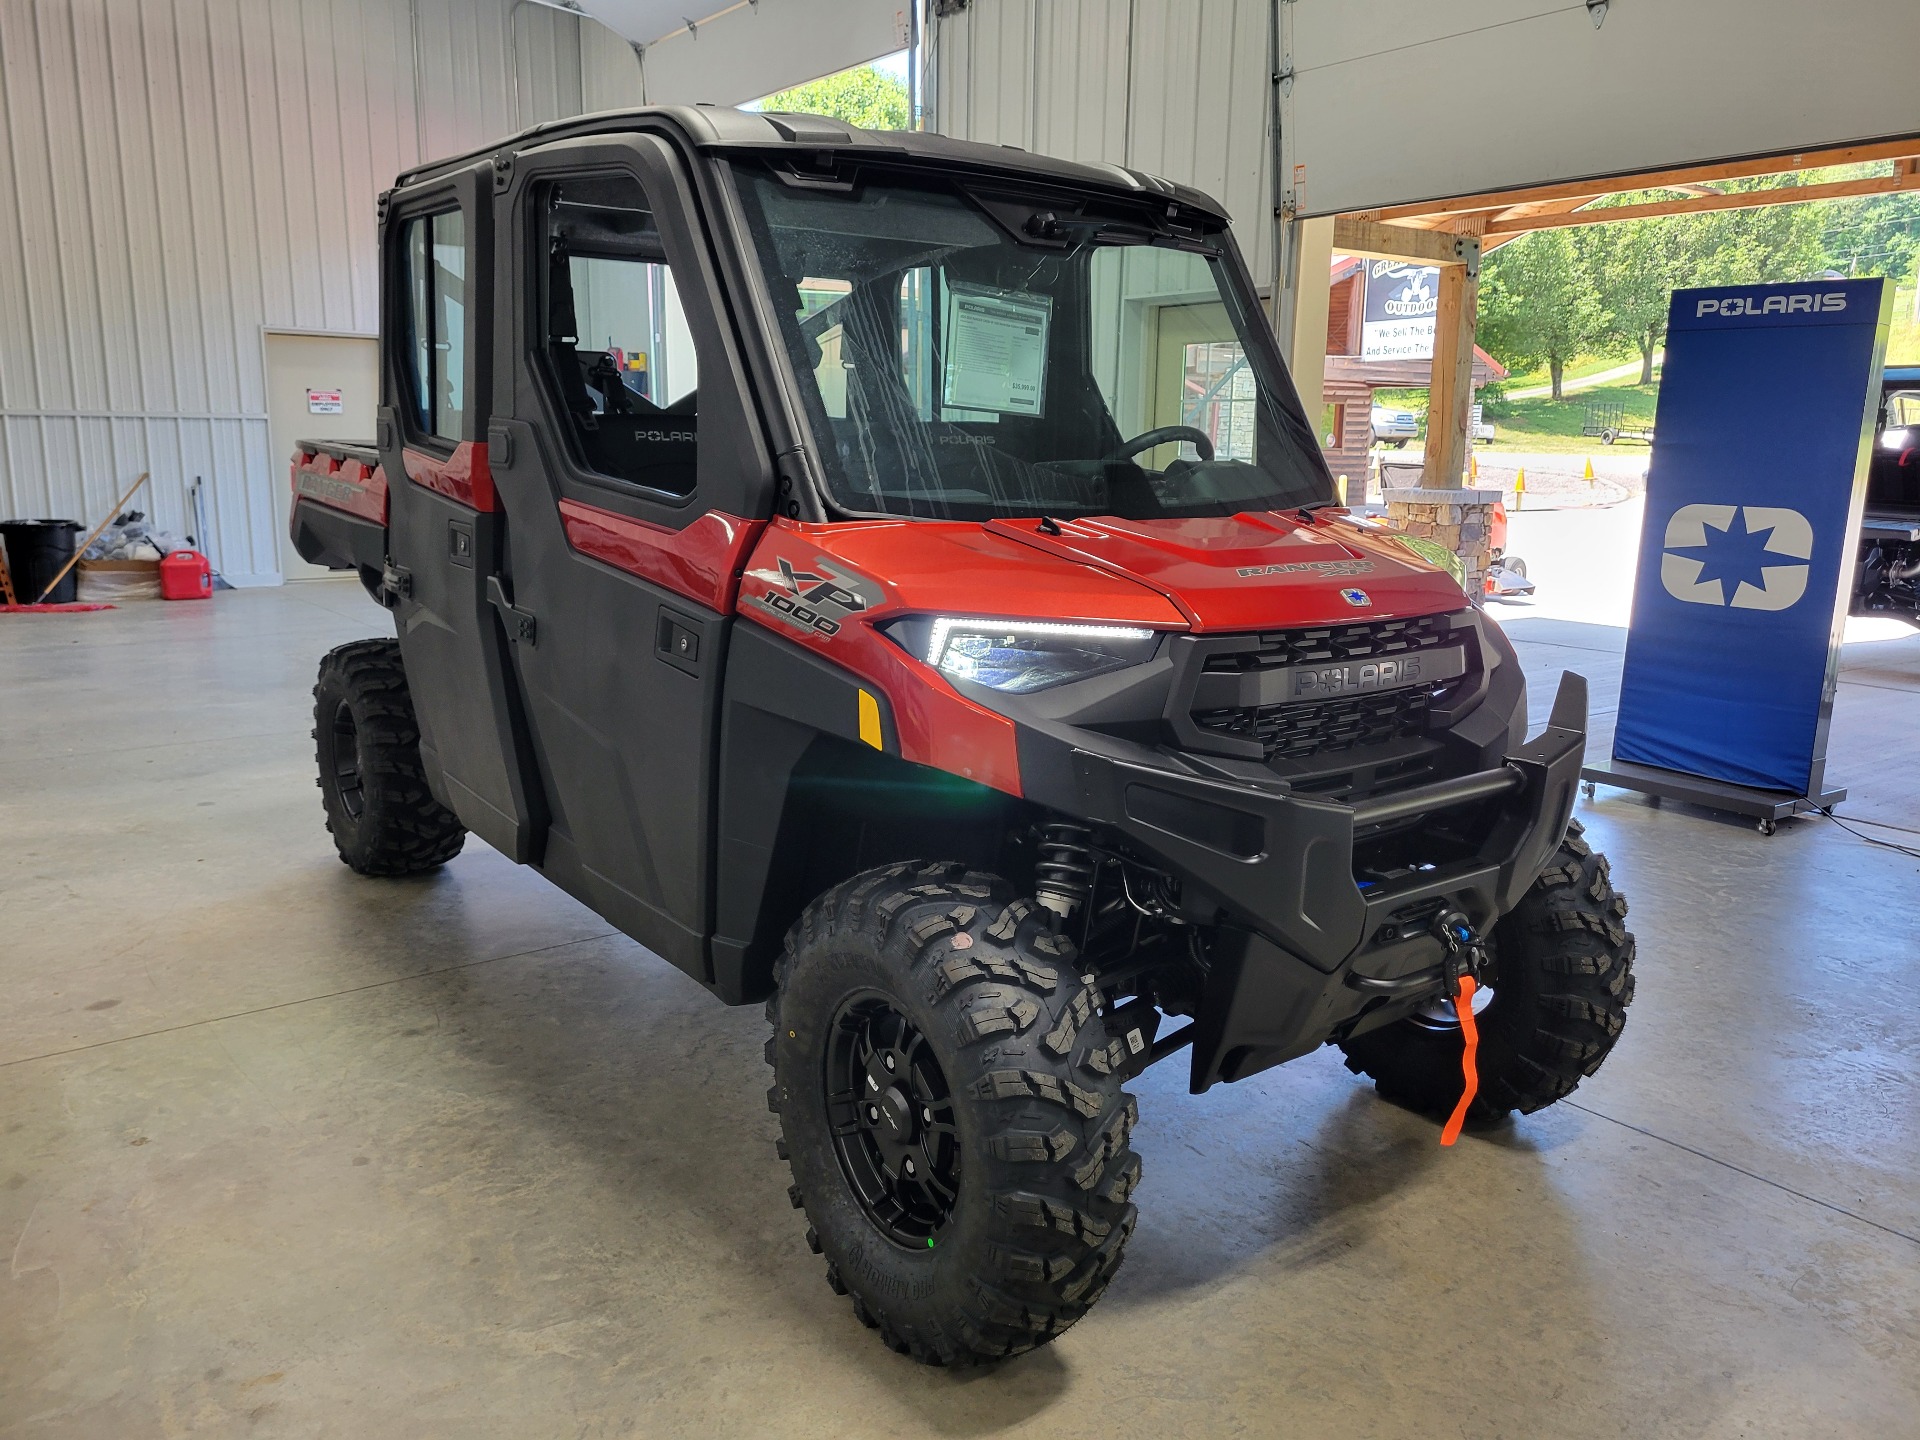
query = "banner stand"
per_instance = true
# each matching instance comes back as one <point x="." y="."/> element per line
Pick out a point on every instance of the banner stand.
<point x="1769" y="807"/>
<point x="1754" y="498"/>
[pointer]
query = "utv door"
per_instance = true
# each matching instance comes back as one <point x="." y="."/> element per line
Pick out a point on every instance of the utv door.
<point x="443" y="523"/>
<point x="632" y="474"/>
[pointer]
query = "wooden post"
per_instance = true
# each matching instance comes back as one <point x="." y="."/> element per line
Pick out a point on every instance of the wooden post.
<point x="1306" y="341"/>
<point x="1451" y="394"/>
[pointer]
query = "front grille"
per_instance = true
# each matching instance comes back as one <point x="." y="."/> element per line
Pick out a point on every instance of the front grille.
<point x="1306" y="730"/>
<point x="1368" y="640"/>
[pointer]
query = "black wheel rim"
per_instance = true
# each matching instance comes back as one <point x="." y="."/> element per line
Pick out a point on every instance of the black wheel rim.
<point x="892" y="1118"/>
<point x="347" y="783"/>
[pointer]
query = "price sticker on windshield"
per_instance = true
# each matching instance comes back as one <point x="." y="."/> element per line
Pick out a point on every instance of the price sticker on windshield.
<point x="996" y="351"/>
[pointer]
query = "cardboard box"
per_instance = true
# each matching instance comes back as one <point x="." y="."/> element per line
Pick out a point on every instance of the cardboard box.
<point x="114" y="582"/>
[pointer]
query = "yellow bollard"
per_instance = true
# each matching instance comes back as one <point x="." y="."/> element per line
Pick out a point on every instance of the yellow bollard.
<point x="1341" y="489"/>
<point x="1589" y="470"/>
<point x="1473" y="466"/>
<point x="1519" y="486"/>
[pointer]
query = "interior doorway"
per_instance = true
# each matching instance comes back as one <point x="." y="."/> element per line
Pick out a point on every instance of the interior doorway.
<point x="319" y="387"/>
<point x="1201" y="378"/>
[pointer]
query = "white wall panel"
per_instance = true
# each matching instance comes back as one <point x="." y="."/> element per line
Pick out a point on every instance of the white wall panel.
<point x="609" y="71"/>
<point x="1172" y="87"/>
<point x="177" y="176"/>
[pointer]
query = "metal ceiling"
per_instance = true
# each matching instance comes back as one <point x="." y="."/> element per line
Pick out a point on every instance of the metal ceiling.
<point x="723" y="52"/>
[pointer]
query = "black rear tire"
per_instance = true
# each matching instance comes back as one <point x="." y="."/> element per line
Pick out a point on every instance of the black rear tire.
<point x="383" y="818"/>
<point x="1018" y="1211"/>
<point x="1562" y="978"/>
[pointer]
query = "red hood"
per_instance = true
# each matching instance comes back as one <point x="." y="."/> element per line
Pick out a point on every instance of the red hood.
<point x="1253" y="571"/>
<point x="963" y="568"/>
<point x="1243" y="572"/>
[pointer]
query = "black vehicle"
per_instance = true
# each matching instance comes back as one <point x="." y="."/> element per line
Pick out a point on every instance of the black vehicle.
<point x="1886" y="577"/>
<point x="895" y="580"/>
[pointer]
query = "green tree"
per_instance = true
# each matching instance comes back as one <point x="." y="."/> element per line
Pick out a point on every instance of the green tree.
<point x="1539" y="303"/>
<point x="1757" y="246"/>
<point x="1875" y="235"/>
<point x="1636" y="266"/>
<point x="861" y="96"/>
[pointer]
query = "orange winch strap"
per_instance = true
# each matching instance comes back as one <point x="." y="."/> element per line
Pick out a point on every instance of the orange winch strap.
<point x="1470" y="1033"/>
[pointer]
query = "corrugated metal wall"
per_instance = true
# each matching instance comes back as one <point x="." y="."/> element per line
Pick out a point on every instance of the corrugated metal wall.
<point x="1173" y="87"/>
<point x="176" y="177"/>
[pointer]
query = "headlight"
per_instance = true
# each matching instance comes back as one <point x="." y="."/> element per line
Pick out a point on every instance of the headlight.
<point x="1021" y="656"/>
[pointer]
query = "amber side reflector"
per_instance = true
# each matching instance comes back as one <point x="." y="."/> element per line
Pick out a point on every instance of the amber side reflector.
<point x="870" y="721"/>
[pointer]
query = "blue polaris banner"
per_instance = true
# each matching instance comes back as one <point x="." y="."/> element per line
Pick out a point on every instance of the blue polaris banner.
<point x="1746" y="552"/>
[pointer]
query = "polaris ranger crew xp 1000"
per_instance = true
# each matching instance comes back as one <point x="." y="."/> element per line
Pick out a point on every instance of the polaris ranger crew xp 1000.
<point x="894" y="579"/>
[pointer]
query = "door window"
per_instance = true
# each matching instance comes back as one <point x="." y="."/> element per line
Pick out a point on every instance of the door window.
<point x="615" y="346"/>
<point x="434" y="254"/>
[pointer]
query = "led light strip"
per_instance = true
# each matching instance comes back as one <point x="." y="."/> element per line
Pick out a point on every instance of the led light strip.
<point x="945" y="625"/>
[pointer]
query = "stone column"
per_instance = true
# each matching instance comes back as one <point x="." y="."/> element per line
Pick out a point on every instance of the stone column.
<point x="1459" y="520"/>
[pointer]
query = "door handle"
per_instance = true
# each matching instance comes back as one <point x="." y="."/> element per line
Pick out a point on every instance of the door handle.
<point x="678" y="641"/>
<point x="520" y="624"/>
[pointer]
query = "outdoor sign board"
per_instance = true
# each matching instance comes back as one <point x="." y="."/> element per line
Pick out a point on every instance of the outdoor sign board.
<point x="1396" y="317"/>
<point x="1754" y="494"/>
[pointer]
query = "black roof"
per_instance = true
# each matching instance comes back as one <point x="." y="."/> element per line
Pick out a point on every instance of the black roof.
<point x="722" y="128"/>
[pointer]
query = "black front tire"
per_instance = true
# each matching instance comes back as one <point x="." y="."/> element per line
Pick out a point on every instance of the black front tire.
<point x="383" y="818"/>
<point x="1562" y="978"/>
<point x="1019" y="1088"/>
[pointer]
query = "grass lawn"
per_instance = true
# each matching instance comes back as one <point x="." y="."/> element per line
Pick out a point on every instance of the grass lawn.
<point x="1577" y="369"/>
<point x="1543" y="425"/>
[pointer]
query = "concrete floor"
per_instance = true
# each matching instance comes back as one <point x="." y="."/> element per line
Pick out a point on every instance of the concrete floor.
<point x="287" y="1152"/>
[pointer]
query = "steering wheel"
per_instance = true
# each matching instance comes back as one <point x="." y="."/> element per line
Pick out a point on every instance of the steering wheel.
<point x="1161" y="436"/>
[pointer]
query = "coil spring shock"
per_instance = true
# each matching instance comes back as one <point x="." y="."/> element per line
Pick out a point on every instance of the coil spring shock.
<point x="1063" y="875"/>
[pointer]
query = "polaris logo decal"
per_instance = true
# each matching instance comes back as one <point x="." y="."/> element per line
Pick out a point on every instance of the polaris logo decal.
<point x="1772" y="305"/>
<point x="1356" y="598"/>
<point x="1307" y="567"/>
<point x="1349" y="679"/>
<point x="1360" y="677"/>
<point x="1749" y="557"/>
<point x="325" y="488"/>
<point x="815" y="600"/>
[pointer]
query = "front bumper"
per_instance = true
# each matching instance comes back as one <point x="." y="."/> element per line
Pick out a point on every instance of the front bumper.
<point x="1305" y="950"/>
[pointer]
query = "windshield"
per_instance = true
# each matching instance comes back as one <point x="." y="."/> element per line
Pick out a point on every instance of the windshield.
<point x="1902" y="410"/>
<point x="1094" y="366"/>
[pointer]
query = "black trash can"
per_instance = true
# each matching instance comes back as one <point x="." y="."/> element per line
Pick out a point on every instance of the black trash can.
<point x="36" y="549"/>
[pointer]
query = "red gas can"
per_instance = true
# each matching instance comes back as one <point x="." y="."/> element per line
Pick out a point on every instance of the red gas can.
<point x="185" y="575"/>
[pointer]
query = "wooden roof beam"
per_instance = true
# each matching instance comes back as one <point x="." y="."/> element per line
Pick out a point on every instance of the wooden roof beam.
<point x="1654" y="179"/>
<point x="1402" y="242"/>
<point x="1908" y="179"/>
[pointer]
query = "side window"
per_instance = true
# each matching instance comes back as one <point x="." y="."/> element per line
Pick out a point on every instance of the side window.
<point x="614" y="341"/>
<point x="434" y="254"/>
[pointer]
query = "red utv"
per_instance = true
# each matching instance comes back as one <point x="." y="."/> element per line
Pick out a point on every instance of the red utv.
<point x="893" y="579"/>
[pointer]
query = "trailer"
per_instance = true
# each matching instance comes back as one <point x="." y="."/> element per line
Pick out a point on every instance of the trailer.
<point x="1609" y="422"/>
